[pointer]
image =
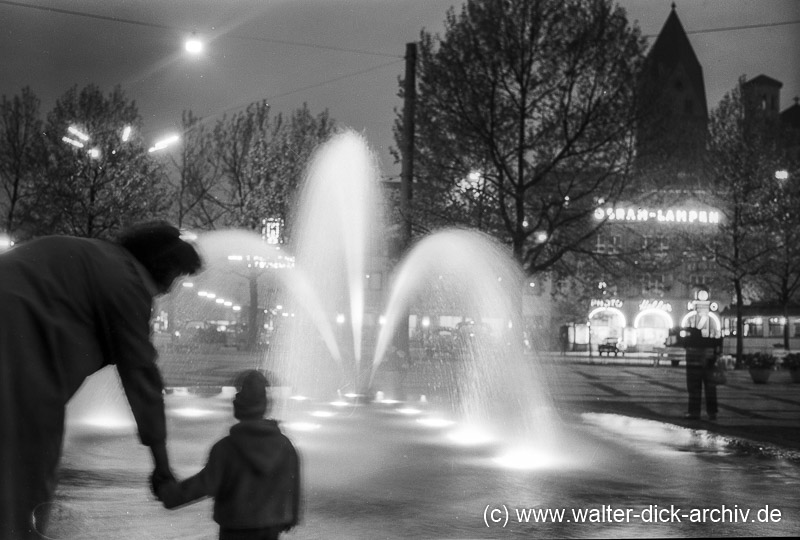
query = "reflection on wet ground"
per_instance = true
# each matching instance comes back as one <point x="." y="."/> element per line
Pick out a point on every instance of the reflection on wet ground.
<point x="393" y="470"/>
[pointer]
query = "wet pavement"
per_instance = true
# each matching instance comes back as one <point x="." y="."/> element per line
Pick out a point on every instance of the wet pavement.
<point x="630" y="386"/>
<point x="625" y="456"/>
<point x="761" y="413"/>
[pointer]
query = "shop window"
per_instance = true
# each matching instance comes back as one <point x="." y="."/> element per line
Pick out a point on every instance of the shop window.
<point x="728" y="327"/>
<point x="608" y="244"/>
<point x="653" y="284"/>
<point x="775" y="328"/>
<point x="563" y="286"/>
<point x="754" y="327"/>
<point x="657" y="245"/>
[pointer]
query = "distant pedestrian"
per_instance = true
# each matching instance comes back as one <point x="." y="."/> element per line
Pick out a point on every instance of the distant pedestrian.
<point x="253" y="474"/>
<point x="68" y="307"/>
<point x="701" y="358"/>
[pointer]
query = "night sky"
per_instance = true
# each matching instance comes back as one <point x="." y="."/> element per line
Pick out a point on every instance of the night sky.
<point x="344" y="55"/>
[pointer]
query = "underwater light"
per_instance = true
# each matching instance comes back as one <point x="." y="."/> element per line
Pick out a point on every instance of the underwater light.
<point x="470" y="436"/>
<point x="302" y="426"/>
<point x="299" y="398"/>
<point x="322" y="414"/>
<point x="339" y="403"/>
<point x="524" y="458"/>
<point x="435" y="422"/>
<point x="409" y="410"/>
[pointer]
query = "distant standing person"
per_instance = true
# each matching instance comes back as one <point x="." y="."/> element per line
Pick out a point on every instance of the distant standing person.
<point x="68" y="307"/>
<point x="701" y="359"/>
<point x="253" y="474"/>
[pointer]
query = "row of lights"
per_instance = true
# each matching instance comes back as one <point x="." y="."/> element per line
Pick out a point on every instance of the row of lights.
<point x="228" y="303"/>
<point x="80" y="139"/>
<point x="212" y="296"/>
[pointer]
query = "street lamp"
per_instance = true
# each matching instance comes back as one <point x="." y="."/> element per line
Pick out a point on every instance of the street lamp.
<point x="5" y="242"/>
<point x="79" y="139"/>
<point x="193" y="46"/>
<point x="164" y="143"/>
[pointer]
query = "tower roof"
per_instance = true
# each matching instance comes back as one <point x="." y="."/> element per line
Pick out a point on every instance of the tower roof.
<point x="671" y="49"/>
<point x="764" y="80"/>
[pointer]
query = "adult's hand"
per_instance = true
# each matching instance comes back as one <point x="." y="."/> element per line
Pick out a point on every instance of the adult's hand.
<point x="161" y="471"/>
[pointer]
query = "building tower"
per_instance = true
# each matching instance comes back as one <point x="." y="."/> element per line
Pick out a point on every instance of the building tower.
<point x="763" y="97"/>
<point x="673" y="113"/>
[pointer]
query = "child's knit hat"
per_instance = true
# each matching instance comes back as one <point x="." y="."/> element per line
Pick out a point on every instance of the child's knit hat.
<point x="251" y="401"/>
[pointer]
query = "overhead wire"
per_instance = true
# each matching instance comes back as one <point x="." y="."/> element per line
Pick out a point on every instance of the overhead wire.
<point x="123" y="20"/>
<point x="318" y="45"/>
<point x="398" y="58"/>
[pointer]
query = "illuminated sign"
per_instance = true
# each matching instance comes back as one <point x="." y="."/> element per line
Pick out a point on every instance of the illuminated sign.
<point x="671" y="215"/>
<point x="692" y="305"/>
<point x="655" y="304"/>
<point x="271" y="230"/>
<point x="606" y="302"/>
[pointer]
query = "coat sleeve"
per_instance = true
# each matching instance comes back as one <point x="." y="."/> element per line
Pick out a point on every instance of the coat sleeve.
<point x="126" y="325"/>
<point x="206" y="483"/>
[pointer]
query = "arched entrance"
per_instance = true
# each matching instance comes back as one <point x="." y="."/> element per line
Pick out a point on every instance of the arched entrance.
<point x="652" y="328"/>
<point x="606" y="322"/>
<point x="691" y="320"/>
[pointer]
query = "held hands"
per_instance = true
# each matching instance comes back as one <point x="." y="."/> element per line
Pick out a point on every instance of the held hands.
<point x="158" y="480"/>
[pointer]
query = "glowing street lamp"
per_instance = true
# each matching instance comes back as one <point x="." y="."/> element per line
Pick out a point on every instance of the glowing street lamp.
<point x="5" y="242"/>
<point x="193" y="46"/>
<point x="78" y="133"/>
<point x="72" y="142"/>
<point x="164" y="143"/>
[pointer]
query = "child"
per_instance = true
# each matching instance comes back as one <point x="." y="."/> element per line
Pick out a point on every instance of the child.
<point x="253" y="474"/>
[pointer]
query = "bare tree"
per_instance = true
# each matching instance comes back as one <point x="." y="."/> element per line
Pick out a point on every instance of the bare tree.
<point x="781" y="275"/>
<point x="21" y="155"/>
<point x="740" y="168"/>
<point x="104" y="179"/>
<point x="253" y="165"/>
<point x="525" y="114"/>
<point x="198" y="176"/>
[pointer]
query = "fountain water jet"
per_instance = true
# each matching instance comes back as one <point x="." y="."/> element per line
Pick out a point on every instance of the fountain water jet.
<point x="494" y="388"/>
<point x="336" y="219"/>
<point x="499" y="387"/>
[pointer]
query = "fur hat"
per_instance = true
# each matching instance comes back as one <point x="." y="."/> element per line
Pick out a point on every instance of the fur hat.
<point x="251" y="402"/>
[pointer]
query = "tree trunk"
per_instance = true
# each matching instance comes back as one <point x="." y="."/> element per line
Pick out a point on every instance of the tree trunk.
<point x="739" y="321"/>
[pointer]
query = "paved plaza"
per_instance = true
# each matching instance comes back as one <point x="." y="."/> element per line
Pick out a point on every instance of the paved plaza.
<point x="758" y="413"/>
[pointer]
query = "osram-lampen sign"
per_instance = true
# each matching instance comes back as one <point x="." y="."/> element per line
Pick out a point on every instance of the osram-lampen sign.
<point x="671" y="215"/>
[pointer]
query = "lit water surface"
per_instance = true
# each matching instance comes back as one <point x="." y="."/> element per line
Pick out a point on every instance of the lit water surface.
<point x="406" y="470"/>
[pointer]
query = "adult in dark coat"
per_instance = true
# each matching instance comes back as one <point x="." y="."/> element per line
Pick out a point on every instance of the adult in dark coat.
<point x="68" y="307"/>
<point x="253" y="474"/>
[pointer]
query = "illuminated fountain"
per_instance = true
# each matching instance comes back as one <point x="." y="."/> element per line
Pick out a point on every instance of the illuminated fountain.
<point x="320" y="352"/>
<point x="490" y="388"/>
<point x="427" y="468"/>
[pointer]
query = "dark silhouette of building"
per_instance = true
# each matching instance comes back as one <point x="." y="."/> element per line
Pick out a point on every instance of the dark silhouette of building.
<point x="656" y="291"/>
<point x="672" y="110"/>
<point x="762" y="96"/>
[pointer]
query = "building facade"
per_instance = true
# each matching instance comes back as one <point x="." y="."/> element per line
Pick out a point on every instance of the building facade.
<point x="666" y="207"/>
